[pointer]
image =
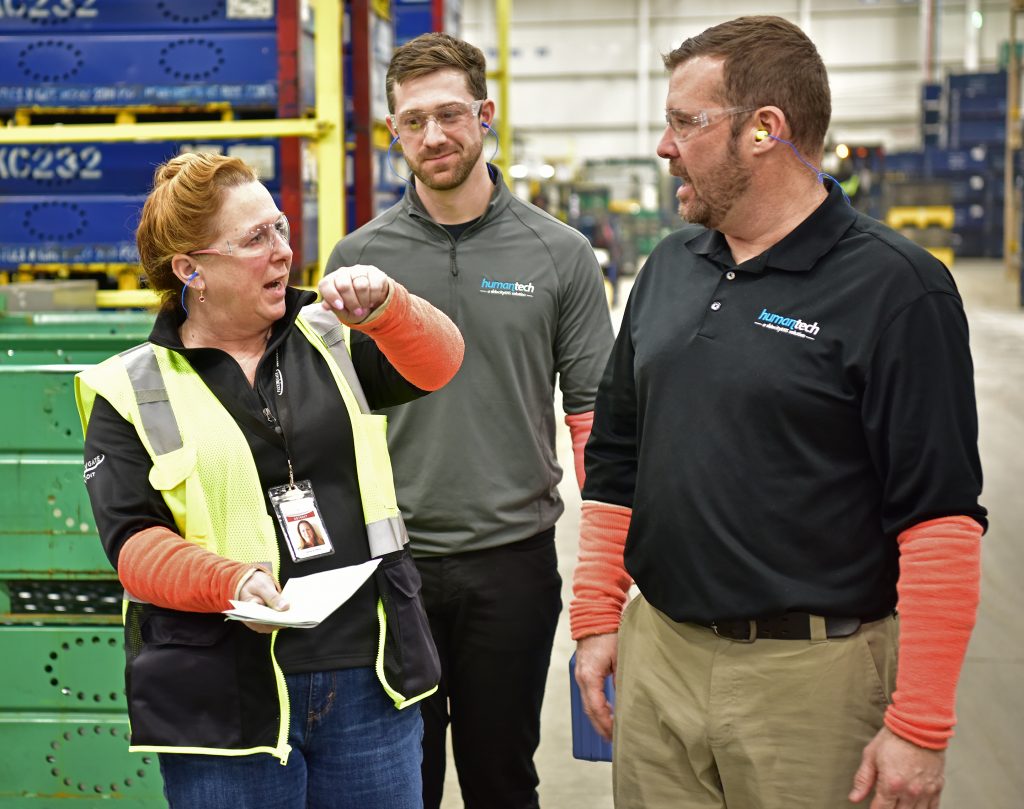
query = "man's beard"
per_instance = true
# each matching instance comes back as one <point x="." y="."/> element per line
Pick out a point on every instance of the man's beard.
<point x="722" y="186"/>
<point x="453" y="177"/>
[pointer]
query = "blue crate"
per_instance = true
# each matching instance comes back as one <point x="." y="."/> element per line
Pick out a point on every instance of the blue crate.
<point x="964" y="134"/>
<point x="977" y="215"/>
<point x="978" y="84"/>
<point x="953" y="162"/>
<point x="965" y="106"/>
<point x="411" y="21"/>
<point x="93" y="16"/>
<point x="909" y="163"/>
<point x="115" y="168"/>
<point x="152" y="70"/>
<point x="71" y="229"/>
<point x="977" y="189"/>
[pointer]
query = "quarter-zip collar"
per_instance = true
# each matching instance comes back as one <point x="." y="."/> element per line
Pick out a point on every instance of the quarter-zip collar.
<point x="500" y="199"/>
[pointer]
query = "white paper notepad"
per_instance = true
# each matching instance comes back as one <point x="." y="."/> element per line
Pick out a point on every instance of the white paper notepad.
<point x="312" y="598"/>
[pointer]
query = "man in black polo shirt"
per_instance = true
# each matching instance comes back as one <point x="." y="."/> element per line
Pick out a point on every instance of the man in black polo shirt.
<point x="785" y="440"/>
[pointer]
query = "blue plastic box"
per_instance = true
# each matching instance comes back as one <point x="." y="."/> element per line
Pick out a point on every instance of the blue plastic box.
<point x="586" y="743"/>
<point x="92" y="16"/>
<point x="141" y="70"/>
<point x="978" y="84"/>
<point x="115" y="168"/>
<point x="71" y="229"/>
<point x="964" y="133"/>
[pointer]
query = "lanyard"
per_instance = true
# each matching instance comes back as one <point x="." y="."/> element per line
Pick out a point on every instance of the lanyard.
<point x="277" y="421"/>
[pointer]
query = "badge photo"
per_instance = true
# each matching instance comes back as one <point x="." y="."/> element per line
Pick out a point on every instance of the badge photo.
<point x="300" y="521"/>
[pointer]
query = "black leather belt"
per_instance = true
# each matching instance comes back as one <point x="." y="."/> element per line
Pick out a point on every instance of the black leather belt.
<point x="790" y="626"/>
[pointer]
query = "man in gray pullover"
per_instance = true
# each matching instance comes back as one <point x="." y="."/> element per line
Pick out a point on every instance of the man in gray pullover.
<point x="475" y="464"/>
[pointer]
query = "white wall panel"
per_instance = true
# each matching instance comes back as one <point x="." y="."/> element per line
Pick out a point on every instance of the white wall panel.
<point x="574" y="65"/>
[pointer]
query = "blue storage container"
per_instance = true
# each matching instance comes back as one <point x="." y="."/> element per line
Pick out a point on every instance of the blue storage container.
<point x="931" y="95"/>
<point x="69" y="230"/>
<point x="952" y="162"/>
<point x="910" y="163"/>
<point x="93" y="16"/>
<point x="977" y="215"/>
<point x="72" y="229"/>
<point x="411" y="21"/>
<point x="115" y="168"/>
<point x="149" y="70"/>
<point x="985" y="189"/>
<point x="992" y="83"/>
<point x="963" y="105"/>
<point x="586" y="743"/>
<point x="964" y="133"/>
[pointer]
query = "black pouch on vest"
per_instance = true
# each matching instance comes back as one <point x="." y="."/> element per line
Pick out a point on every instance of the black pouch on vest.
<point x="411" y="664"/>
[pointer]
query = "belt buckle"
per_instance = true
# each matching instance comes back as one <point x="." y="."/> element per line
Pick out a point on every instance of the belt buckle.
<point x="751" y="633"/>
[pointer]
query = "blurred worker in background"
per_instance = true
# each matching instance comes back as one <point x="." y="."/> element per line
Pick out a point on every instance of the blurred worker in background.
<point x="246" y="404"/>
<point x="480" y="497"/>
<point x="784" y="443"/>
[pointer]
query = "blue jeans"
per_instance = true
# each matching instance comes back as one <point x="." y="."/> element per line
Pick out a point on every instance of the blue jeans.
<point x="351" y="749"/>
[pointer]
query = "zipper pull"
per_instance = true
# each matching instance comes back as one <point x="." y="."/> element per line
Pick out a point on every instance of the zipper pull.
<point x="269" y="415"/>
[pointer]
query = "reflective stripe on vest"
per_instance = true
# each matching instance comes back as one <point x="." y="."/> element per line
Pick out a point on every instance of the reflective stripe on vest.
<point x="151" y="394"/>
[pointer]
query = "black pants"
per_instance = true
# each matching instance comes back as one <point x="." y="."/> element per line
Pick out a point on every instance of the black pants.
<point x="493" y="614"/>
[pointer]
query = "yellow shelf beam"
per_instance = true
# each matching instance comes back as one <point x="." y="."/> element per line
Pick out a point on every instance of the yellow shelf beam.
<point x="166" y="130"/>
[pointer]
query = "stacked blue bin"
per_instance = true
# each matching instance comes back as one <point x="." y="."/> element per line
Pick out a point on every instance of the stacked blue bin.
<point x="975" y="125"/>
<point x="931" y="114"/>
<point x="411" y="18"/>
<point x="970" y="157"/>
<point x="77" y="205"/>
<point x="74" y="207"/>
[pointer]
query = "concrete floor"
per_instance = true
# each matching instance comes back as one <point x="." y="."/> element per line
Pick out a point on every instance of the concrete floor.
<point x="986" y="760"/>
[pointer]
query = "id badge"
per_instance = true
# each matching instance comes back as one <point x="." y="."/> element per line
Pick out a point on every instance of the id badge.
<point x="300" y="521"/>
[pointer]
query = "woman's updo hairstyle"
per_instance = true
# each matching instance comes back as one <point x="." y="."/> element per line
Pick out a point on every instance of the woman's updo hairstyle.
<point x="181" y="212"/>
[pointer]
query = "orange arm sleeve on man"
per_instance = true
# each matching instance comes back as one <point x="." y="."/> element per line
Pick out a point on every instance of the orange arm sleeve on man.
<point x="158" y="566"/>
<point x="600" y="582"/>
<point x="939" y="585"/>
<point x="419" y="340"/>
<point x="580" y="425"/>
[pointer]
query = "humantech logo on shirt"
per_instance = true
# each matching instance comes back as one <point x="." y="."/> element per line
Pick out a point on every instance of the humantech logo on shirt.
<point x="792" y="326"/>
<point x="514" y="288"/>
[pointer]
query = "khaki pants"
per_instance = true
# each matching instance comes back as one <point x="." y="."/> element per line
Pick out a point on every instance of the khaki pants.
<point x="706" y="722"/>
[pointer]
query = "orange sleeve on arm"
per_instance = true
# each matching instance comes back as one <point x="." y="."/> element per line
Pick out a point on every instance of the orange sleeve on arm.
<point x="939" y="584"/>
<point x="158" y="566"/>
<point x="419" y="340"/>
<point x="579" y="428"/>
<point x="600" y="582"/>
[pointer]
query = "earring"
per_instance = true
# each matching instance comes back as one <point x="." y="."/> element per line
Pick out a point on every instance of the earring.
<point x="202" y="297"/>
